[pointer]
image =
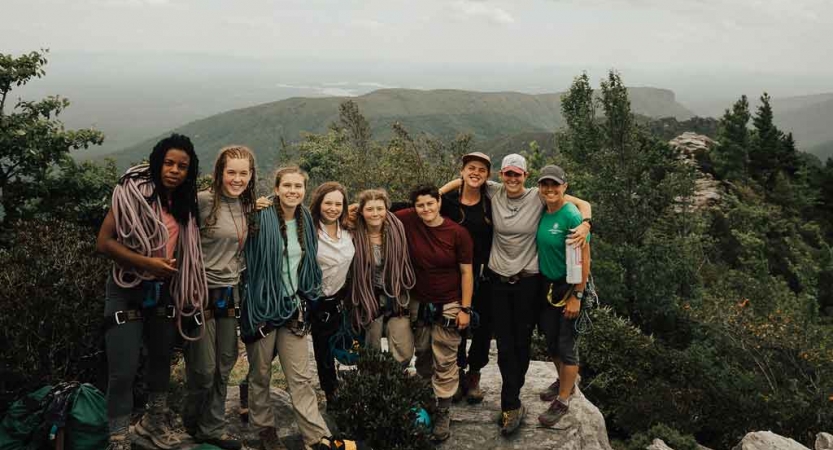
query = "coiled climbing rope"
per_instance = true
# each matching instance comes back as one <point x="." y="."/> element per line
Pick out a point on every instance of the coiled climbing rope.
<point x="139" y="227"/>
<point x="268" y="298"/>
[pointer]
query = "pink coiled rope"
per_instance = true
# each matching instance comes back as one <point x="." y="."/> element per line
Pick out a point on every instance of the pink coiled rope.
<point x="140" y="228"/>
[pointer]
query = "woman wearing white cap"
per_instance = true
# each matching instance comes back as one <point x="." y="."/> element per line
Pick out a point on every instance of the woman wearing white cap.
<point x="515" y="277"/>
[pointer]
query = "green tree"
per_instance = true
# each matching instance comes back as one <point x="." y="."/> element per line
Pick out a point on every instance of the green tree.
<point x="731" y="158"/>
<point x="32" y="139"/>
<point x="639" y="188"/>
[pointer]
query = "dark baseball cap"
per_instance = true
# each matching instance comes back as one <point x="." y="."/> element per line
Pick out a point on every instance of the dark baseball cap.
<point x="554" y="173"/>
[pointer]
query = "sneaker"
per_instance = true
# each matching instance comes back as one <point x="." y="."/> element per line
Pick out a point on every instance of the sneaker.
<point x="461" y="387"/>
<point x="551" y="392"/>
<point x="225" y="442"/>
<point x="442" y="425"/>
<point x="474" y="394"/>
<point x="269" y="440"/>
<point x="554" y="413"/>
<point x="156" y="428"/>
<point x="119" y="442"/>
<point x="511" y="420"/>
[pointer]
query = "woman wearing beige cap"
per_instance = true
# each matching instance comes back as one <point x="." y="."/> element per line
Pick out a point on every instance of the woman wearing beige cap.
<point x="515" y="278"/>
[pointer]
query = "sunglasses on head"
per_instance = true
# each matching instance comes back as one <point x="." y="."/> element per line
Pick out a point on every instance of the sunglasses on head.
<point x="512" y="174"/>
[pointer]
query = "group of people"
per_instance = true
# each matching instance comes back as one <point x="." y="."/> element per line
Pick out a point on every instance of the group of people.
<point x="204" y="263"/>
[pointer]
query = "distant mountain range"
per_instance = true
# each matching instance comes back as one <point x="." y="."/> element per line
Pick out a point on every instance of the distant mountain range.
<point x="440" y="113"/>
<point x="499" y="121"/>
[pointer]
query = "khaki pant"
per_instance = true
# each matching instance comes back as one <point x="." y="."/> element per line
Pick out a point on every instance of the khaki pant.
<point x="436" y="350"/>
<point x="293" y="352"/>
<point x="208" y="363"/>
<point x="400" y="337"/>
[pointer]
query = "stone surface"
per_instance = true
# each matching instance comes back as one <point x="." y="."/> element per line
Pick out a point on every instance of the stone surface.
<point x="824" y="441"/>
<point x="707" y="191"/>
<point x="658" y="444"/>
<point x="472" y="426"/>
<point x="767" y="440"/>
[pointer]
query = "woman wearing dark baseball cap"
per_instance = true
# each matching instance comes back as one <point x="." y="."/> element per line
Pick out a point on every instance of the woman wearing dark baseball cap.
<point x="564" y="292"/>
<point x="515" y="276"/>
<point x="469" y="206"/>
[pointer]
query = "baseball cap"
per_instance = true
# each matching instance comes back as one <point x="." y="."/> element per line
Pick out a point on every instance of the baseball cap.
<point x="554" y="173"/>
<point x="478" y="156"/>
<point x="513" y="162"/>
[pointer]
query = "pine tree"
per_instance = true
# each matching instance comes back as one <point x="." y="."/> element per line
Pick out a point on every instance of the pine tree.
<point x="765" y="153"/>
<point x="731" y="158"/>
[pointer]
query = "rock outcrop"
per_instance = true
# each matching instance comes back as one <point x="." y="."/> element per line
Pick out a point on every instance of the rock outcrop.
<point x="473" y="427"/>
<point x="824" y="441"/>
<point x="693" y="147"/>
<point x="767" y="440"/>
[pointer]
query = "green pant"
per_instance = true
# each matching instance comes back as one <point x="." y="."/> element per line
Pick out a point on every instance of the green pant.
<point x="208" y="363"/>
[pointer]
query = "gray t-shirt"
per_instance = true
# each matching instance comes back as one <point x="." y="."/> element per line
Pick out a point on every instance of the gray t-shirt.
<point x="515" y="222"/>
<point x="221" y="249"/>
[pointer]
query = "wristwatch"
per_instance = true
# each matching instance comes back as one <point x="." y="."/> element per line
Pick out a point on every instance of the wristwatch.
<point x="579" y="295"/>
<point x="589" y="221"/>
<point x="466" y="309"/>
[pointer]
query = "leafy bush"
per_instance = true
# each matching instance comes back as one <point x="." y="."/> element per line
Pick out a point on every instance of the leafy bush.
<point x="739" y="376"/>
<point x="375" y="403"/>
<point x="53" y="285"/>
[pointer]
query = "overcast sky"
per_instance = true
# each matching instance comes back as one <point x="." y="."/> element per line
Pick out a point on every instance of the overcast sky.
<point x="790" y="36"/>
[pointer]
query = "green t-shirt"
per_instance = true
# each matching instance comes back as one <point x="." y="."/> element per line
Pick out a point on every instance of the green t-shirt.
<point x="293" y="249"/>
<point x="553" y="230"/>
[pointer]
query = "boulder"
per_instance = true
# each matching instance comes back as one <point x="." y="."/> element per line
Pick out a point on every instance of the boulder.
<point x="824" y="441"/>
<point x="767" y="440"/>
<point x="658" y="444"/>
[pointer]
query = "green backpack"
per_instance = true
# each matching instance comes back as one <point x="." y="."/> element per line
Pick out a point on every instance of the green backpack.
<point x="68" y="416"/>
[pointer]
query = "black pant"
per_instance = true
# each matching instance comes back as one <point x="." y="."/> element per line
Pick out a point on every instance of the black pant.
<point x="481" y="337"/>
<point x="515" y="310"/>
<point x="325" y="322"/>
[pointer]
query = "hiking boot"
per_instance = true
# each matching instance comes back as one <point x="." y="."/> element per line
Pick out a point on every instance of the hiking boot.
<point x="156" y="428"/>
<point x="328" y="443"/>
<point x="442" y="425"/>
<point x="511" y="420"/>
<point x="554" y="413"/>
<point x="119" y="442"/>
<point x="461" y="387"/>
<point x="269" y="440"/>
<point x="225" y="442"/>
<point x="551" y="392"/>
<point x="474" y="394"/>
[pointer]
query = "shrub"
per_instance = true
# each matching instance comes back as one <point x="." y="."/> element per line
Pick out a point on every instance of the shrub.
<point x="376" y="403"/>
<point x="53" y="286"/>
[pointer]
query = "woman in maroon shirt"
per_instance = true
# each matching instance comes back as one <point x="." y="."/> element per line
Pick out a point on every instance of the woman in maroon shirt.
<point x="441" y="252"/>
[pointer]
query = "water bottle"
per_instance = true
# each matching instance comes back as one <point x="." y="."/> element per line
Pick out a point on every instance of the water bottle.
<point x="574" y="263"/>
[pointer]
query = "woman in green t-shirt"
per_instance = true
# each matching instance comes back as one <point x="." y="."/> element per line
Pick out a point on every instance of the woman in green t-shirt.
<point x="563" y="301"/>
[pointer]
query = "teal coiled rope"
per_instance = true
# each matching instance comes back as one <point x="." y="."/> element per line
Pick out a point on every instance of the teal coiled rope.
<point x="268" y="299"/>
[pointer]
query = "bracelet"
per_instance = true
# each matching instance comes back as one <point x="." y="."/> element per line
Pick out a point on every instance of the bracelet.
<point x="589" y="221"/>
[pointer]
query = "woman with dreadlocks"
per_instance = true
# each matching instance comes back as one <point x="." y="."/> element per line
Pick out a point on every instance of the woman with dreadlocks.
<point x="382" y="276"/>
<point x="152" y="236"/>
<point x="225" y="222"/>
<point x="283" y="278"/>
